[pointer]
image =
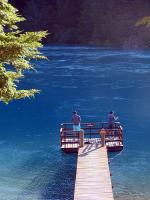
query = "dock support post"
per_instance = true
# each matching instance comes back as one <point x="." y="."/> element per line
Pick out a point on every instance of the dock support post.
<point x="81" y="138"/>
<point x="103" y="133"/>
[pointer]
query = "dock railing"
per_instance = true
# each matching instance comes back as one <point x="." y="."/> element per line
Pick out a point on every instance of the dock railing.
<point x="69" y="138"/>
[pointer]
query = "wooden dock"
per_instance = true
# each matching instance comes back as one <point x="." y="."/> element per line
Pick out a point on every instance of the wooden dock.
<point x="70" y="140"/>
<point x="93" y="180"/>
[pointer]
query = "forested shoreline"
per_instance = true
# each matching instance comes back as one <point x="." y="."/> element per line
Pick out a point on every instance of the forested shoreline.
<point x="91" y="22"/>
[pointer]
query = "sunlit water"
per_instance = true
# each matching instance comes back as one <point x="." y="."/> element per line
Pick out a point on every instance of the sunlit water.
<point x="92" y="81"/>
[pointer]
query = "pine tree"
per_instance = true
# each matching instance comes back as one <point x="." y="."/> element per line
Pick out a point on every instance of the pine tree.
<point x="143" y="21"/>
<point x="17" y="48"/>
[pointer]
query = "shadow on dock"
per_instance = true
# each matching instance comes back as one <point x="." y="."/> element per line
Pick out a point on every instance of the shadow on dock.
<point x="92" y="146"/>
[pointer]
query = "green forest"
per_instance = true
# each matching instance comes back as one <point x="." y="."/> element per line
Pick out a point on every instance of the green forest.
<point x="92" y="22"/>
<point x="17" y="49"/>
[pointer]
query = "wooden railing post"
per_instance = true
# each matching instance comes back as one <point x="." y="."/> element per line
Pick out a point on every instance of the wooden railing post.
<point x="103" y="133"/>
<point x="81" y="138"/>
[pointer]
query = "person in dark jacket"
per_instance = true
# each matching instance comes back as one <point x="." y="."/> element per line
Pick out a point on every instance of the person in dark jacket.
<point x="76" y="119"/>
<point x="111" y="119"/>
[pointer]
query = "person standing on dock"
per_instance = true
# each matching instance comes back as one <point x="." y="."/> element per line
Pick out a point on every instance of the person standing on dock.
<point x="76" y="119"/>
<point x="111" y="119"/>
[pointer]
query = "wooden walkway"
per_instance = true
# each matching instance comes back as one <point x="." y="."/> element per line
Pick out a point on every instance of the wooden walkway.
<point x="93" y="180"/>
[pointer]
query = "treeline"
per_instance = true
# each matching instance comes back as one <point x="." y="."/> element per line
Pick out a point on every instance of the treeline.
<point x="98" y="22"/>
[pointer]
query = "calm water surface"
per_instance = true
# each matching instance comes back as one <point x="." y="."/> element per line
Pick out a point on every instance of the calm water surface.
<point x="92" y="81"/>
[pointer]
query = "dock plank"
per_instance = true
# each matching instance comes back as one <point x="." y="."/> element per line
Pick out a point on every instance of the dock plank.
<point x="93" y="180"/>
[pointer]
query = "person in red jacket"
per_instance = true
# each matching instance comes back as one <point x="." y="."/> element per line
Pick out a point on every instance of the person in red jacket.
<point x="76" y="119"/>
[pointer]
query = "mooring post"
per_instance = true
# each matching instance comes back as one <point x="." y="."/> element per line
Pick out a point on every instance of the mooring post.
<point x="103" y="133"/>
<point x="81" y="138"/>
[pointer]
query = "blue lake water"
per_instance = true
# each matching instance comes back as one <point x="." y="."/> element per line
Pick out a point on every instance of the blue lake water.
<point x="93" y="81"/>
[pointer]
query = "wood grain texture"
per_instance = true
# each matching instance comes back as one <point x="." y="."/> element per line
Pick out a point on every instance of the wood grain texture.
<point x="93" y="176"/>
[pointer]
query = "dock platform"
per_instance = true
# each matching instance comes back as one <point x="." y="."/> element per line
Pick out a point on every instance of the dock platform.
<point x="70" y="140"/>
<point x="93" y="180"/>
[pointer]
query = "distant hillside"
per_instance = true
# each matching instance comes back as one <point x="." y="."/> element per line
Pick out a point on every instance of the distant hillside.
<point x="98" y="22"/>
